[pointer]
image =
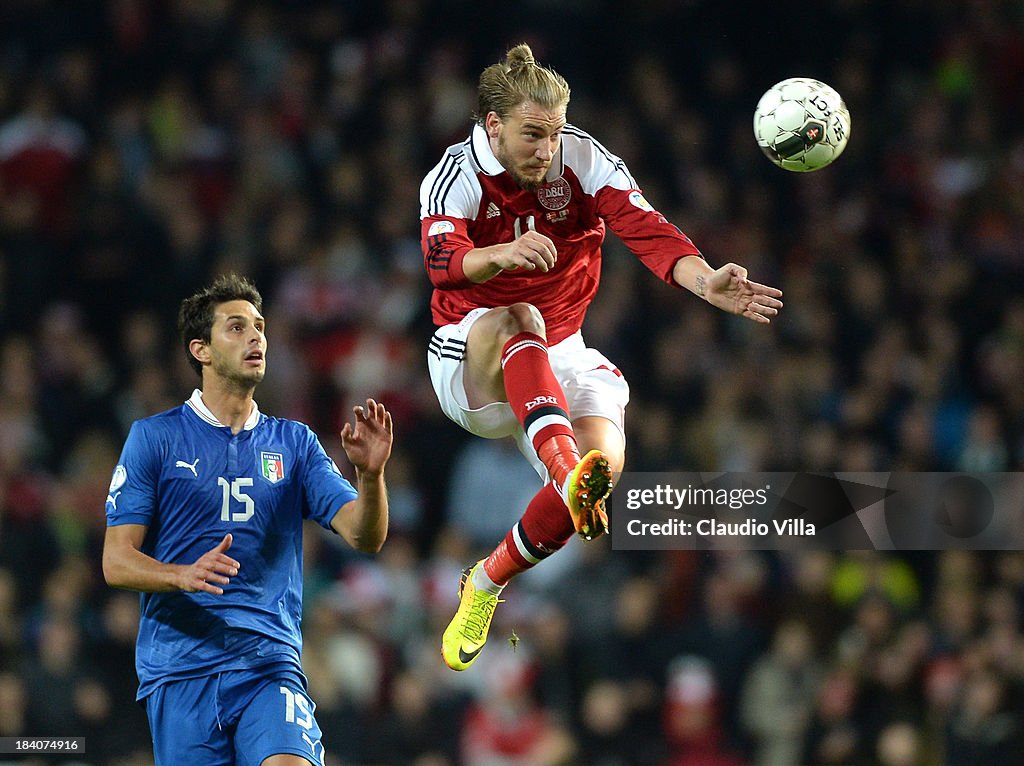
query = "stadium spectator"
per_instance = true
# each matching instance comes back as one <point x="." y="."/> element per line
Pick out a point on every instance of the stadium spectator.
<point x="986" y="726"/>
<point x="778" y="695"/>
<point x="14" y="715"/>
<point x="505" y="724"/>
<point x="492" y="475"/>
<point x="835" y="734"/>
<point x="41" y="152"/>
<point x="900" y="744"/>
<point x="693" y="718"/>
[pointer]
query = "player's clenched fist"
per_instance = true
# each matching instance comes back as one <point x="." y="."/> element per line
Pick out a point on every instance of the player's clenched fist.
<point x="530" y="251"/>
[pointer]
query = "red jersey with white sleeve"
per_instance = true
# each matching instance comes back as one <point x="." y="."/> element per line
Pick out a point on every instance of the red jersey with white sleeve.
<point x="469" y="201"/>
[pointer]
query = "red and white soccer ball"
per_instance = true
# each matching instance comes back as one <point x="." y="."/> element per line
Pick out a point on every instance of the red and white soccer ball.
<point x="801" y="124"/>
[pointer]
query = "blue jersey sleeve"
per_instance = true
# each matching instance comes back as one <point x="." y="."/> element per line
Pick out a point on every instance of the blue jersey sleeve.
<point x="325" y="488"/>
<point x="131" y="498"/>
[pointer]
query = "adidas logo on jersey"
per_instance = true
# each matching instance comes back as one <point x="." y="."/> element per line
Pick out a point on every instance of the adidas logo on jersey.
<point x="492" y="210"/>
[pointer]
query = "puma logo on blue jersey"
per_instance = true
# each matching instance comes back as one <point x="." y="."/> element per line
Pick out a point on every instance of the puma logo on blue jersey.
<point x="190" y="466"/>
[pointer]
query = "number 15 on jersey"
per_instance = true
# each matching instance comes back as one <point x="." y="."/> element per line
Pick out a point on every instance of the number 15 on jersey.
<point x="233" y="490"/>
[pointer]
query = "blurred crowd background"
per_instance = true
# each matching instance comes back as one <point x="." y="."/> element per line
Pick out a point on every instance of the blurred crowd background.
<point x="147" y="145"/>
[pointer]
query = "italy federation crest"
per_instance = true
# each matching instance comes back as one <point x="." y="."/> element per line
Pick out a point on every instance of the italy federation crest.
<point x="272" y="466"/>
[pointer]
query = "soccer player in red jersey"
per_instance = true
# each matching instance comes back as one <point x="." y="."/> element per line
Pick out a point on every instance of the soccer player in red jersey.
<point x="512" y="221"/>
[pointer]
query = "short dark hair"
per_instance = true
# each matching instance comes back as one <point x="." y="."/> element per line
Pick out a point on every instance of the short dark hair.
<point x="195" y="316"/>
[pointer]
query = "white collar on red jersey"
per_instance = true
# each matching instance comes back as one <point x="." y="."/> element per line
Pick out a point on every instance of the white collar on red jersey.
<point x="489" y="163"/>
<point x="483" y="154"/>
<point x="199" y="407"/>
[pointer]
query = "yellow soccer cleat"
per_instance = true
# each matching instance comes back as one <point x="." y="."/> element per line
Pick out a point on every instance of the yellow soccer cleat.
<point x="466" y="634"/>
<point x="590" y="483"/>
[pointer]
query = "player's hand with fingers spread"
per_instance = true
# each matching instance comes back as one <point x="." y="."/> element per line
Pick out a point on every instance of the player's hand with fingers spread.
<point x="530" y="251"/>
<point x="368" y="442"/>
<point x="211" y="570"/>
<point x="729" y="289"/>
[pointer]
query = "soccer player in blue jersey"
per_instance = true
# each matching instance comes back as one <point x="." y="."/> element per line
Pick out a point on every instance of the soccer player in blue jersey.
<point x="204" y="517"/>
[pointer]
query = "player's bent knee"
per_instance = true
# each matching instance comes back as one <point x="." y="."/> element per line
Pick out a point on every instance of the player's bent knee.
<point x="522" y="317"/>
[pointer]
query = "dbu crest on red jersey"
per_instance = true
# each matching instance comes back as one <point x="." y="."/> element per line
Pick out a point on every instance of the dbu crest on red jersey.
<point x="555" y="195"/>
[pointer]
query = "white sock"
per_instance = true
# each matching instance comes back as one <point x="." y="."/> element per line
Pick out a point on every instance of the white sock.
<point x="482" y="582"/>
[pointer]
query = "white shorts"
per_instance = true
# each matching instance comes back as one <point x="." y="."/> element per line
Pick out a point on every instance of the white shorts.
<point x="593" y="386"/>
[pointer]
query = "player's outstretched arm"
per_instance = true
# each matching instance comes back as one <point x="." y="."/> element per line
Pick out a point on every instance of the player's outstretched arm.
<point x="126" y="566"/>
<point x="729" y="289"/>
<point x="363" y="522"/>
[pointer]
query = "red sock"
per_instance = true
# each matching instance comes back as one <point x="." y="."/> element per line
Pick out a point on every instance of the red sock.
<point x="545" y="528"/>
<point x="539" y="403"/>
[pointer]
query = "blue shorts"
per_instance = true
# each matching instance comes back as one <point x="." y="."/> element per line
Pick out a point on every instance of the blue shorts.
<point x="234" y="718"/>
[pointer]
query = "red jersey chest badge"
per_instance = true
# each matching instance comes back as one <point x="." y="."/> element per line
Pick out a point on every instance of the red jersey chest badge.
<point x="554" y="195"/>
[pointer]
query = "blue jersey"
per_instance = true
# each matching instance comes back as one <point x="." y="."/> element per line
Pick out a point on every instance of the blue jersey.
<point x="190" y="481"/>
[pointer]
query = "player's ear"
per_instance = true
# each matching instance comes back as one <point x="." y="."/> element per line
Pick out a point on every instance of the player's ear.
<point x="200" y="350"/>
<point x="492" y="124"/>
